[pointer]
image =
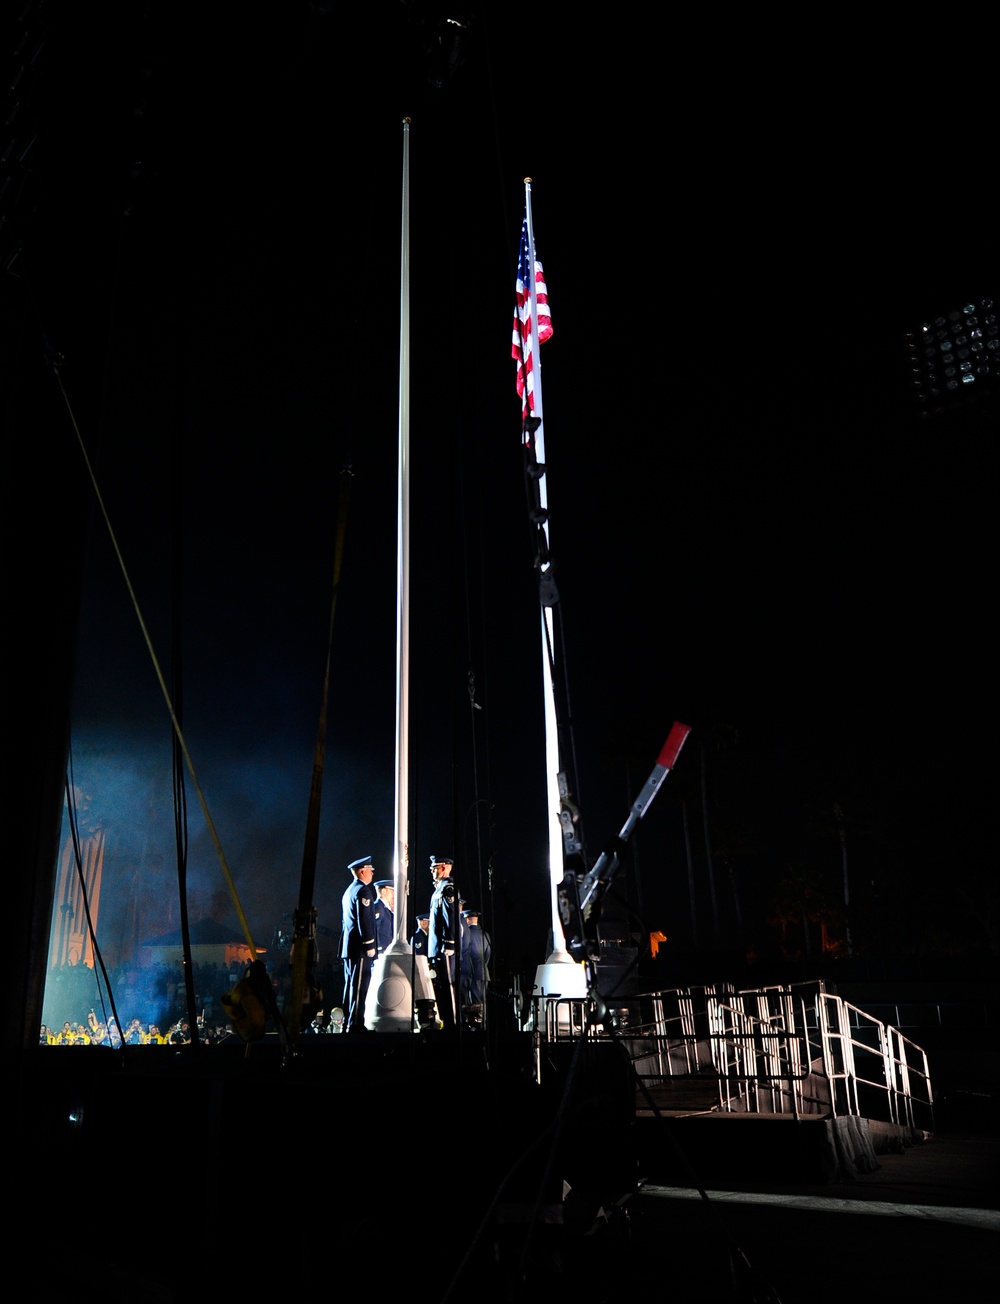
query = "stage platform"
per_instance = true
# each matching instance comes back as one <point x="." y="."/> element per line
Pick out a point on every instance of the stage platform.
<point x="446" y="1170"/>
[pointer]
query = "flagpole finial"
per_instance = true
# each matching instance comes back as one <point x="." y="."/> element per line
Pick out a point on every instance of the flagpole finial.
<point x="527" y="180"/>
<point x="407" y="121"/>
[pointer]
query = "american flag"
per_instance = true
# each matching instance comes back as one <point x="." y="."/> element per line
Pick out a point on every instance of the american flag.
<point x="521" y="345"/>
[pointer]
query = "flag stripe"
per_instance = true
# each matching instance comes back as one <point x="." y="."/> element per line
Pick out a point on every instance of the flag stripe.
<point x="521" y="340"/>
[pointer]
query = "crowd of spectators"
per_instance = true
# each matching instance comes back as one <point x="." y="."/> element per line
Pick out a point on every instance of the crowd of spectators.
<point x="98" y="1033"/>
<point x="152" y="1003"/>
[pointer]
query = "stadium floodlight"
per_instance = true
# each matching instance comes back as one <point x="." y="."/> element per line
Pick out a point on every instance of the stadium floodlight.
<point x="954" y="360"/>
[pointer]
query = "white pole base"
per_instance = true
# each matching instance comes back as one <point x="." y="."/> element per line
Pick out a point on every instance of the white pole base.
<point x="561" y="975"/>
<point x="399" y="979"/>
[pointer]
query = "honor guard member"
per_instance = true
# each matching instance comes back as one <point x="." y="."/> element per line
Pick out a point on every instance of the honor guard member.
<point x="444" y="938"/>
<point x="385" y="913"/>
<point x="357" y="943"/>
<point x="476" y="951"/>
<point x="418" y="942"/>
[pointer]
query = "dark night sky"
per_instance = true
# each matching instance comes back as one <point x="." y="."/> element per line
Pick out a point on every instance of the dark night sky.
<point x="754" y="534"/>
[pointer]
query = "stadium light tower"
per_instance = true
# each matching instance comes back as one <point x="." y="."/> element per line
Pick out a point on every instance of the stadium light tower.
<point x="954" y="360"/>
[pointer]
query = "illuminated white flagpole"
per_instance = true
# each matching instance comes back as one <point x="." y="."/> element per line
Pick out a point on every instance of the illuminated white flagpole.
<point x="560" y="975"/>
<point x="389" y="1007"/>
<point x="401" y="833"/>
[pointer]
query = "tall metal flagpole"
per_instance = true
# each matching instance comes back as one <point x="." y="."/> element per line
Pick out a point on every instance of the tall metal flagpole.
<point x="560" y="975"/>
<point x="396" y="978"/>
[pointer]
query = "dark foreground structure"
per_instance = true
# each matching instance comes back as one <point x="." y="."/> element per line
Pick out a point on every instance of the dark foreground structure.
<point x="532" y="1166"/>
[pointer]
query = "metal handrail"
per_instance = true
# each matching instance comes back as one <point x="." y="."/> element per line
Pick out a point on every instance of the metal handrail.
<point x="773" y="1041"/>
<point x="757" y="1049"/>
<point x="910" y="1070"/>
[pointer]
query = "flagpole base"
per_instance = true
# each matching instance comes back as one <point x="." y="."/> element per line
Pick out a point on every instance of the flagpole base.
<point x="399" y="979"/>
<point x="561" y="976"/>
<point x="560" y="979"/>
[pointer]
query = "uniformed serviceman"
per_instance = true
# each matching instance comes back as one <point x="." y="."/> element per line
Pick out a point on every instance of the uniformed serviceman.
<point x="444" y="939"/>
<point x="385" y="914"/>
<point x="418" y="942"/>
<point x="476" y="952"/>
<point x="357" y="942"/>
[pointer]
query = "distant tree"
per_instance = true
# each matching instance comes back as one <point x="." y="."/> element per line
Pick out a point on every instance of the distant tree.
<point x="806" y="896"/>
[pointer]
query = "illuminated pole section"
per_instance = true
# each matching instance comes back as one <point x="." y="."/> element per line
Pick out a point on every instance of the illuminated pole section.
<point x="397" y="977"/>
<point x="560" y="975"/>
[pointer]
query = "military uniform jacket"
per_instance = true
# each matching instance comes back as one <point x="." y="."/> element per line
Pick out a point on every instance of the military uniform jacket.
<point x="445" y="932"/>
<point x="385" y="926"/>
<point x="359" y="921"/>
<point x="476" y="952"/>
